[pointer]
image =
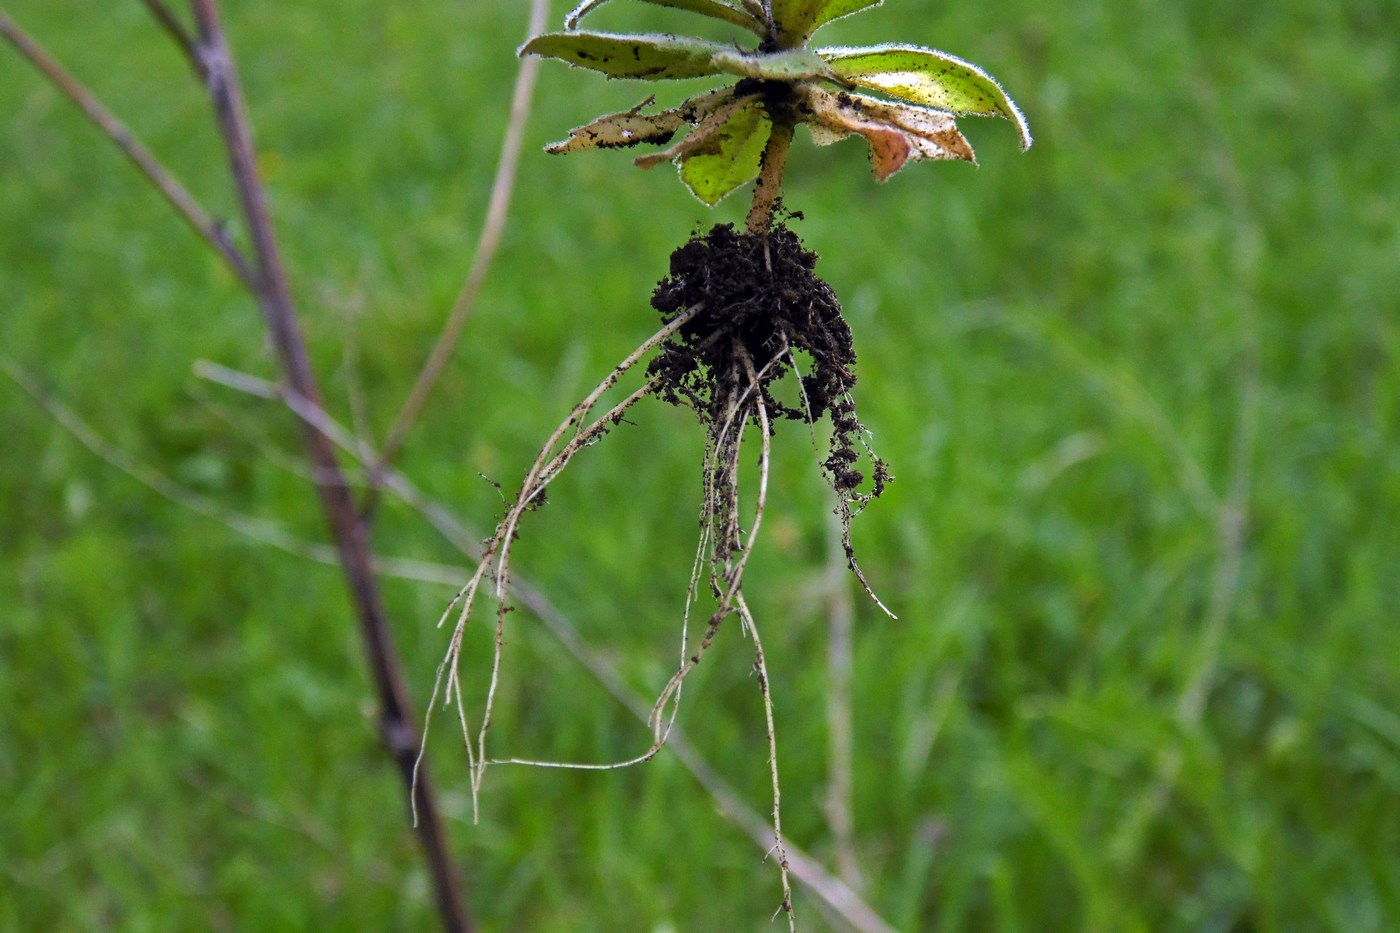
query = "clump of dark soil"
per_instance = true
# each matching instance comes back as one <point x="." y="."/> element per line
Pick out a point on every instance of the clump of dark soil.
<point x="762" y="303"/>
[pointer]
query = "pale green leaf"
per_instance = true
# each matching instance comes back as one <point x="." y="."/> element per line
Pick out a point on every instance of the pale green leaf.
<point x="717" y="9"/>
<point x="835" y="9"/>
<point x="730" y="156"/>
<point x="927" y="77"/>
<point x="791" y="65"/>
<point x="633" y="127"/>
<point x="653" y="57"/>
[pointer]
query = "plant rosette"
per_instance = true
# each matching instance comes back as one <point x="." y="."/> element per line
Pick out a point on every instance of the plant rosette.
<point x="904" y="100"/>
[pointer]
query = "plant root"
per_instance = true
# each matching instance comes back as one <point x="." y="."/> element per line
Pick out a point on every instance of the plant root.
<point x="762" y="289"/>
<point x="738" y="311"/>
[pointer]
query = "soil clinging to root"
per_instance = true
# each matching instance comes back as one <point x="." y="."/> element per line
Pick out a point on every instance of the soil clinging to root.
<point x="761" y="299"/>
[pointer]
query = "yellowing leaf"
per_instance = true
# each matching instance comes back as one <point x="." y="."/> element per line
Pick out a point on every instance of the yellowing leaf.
<point x="935" y="134"/>
<point x="718" y="9"/>
<point x="729" y="157"/>
<point x="632" y="127"/>
<point x="651" y="57"/>
<point x="896" y="133"/>
<point x="925" y="76"/>
<point x="714" y="120"/>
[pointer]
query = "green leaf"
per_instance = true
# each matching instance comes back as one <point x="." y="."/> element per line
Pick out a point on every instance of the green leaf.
<point x="796" y="20"/>
<point x="925" y="76"/>
<point x="650" y="57"/>
<point x="632" y="127"/>
<point x="730" y="156"/>
<point x="717" y="9"/>
<point x="835" y="9"/>
<point x="790" y="65"/>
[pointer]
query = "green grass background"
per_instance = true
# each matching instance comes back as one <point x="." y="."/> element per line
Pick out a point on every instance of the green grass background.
<point x="1088" y="366"/>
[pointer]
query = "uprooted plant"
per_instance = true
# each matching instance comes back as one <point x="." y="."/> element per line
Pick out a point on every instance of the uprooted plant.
<point x="740" y="309"/>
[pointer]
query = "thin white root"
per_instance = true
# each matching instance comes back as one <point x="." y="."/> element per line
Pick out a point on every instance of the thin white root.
<point x="761" y="667"/>
<point x="760" y="664"/>
<point x="495" y="557"/>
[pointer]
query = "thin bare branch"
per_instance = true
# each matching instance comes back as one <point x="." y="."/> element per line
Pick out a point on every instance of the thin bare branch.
<point x="120" y="136"/>
<point x="494" y="225"/>
<point x="433" y="513"/>
<point x="273" y="293"/>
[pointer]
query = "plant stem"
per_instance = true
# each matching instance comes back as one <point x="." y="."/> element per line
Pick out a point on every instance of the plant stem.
<point x="770" y="176"/>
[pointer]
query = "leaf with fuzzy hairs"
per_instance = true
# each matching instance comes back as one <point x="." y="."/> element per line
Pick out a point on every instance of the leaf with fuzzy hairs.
<point x="928" y="77"/>
<point x="648" y="57"/>
<point x="717" y="139"/>
<point x="835" y="9"/>
<point x="791" y="65"/>
<point x="632" y="127"/>
<point x="716" y="9"/>
<point x="798" y="19"/>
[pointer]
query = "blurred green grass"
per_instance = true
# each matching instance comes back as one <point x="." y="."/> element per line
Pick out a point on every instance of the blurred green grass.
<point x="1084" y="364"/>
